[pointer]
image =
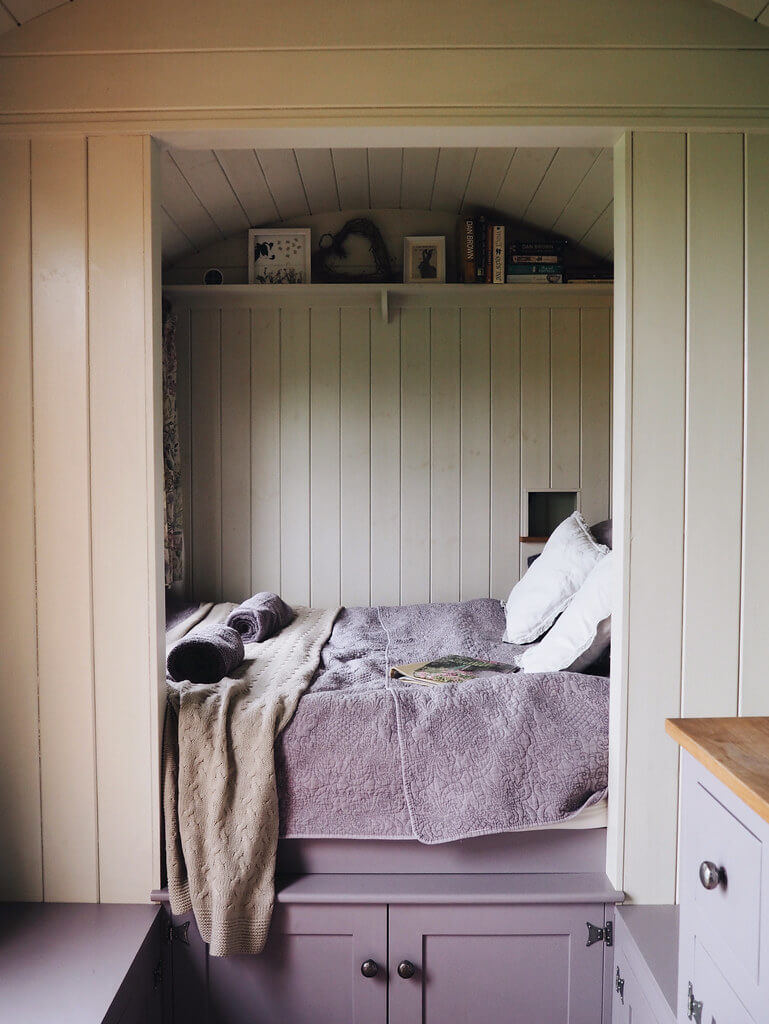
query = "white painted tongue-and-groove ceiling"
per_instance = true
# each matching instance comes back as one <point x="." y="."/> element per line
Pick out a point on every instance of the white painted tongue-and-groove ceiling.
<point x="208" y="195"/>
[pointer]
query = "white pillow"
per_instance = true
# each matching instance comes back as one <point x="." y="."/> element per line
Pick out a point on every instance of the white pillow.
<point x="583" y="631"/>
<point x="539" y="598"/>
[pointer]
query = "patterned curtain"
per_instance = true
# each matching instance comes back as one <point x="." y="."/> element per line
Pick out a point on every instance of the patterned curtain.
<point x="174" y="540"/>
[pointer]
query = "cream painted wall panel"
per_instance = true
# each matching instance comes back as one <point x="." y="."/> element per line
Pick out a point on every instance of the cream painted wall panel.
<point x="444" y="455"/>
<point x="418" y="177"/>
<point x="656" y="513"/>
<point x="715" y="344"/>
<point x="351" y="170"/>
<point x="415" y="456"/>
<point x="355" y="443"/>
<point x="475" y="498"/>
<point x="295" y="455"/>
<point x="385" y="459"/>
<point x="126" y="569"/>
<point x="318" y="179"/>
<point x="325" y="472"/>
<point x="562" y="178"/>
<point x="535" y="404"/>
<point x="524" y="175"/>
<point x="206" y="453"/>
<point x="205" y="176"/>
<point x="451" y="177"/>
<point x="265" y="450"/>
<point x="21" y="867"/>
<point x="565" y="440"/>
<point x="184" y="207"/>
<point x="236" y="457"/>
<point x="62" y="491"/>
<point x="281" y="172"/>
<point x="505" y="449"/>
<point x="384" y="172"/>
<point x="589" y="199"/>
<point x="245" y="174"/>
<point x="486" y="176"/>
<point x="714" y="424"/>
<point x="754" y="693"/>
<point x="595" y="412"/>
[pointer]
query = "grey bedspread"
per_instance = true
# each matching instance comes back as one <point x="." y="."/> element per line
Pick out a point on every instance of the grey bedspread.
<point x="366" y="756"/>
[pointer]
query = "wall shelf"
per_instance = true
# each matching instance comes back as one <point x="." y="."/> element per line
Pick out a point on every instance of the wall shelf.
<point x="386" y="297"/>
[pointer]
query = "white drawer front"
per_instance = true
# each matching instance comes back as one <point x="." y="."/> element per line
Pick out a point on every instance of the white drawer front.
<point x="729" y="914"/>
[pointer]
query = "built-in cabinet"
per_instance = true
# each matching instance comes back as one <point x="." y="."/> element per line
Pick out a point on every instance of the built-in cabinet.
<point x="483" y="957"/>
<point x="644" y="982"/>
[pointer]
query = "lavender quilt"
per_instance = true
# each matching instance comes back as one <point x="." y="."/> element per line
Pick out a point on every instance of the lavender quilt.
<point x="370" y="757"/>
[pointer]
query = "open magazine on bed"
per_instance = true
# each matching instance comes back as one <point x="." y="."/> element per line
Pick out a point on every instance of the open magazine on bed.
<point x="450" y="668"/>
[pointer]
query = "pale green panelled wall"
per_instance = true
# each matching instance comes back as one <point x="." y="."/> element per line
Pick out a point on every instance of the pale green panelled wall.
<point x="696" y="479"/>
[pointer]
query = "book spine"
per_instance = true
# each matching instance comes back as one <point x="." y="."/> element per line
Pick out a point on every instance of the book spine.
<point x="525" y="248"/>
<point x="535" y="279"/>
<point x="468" y="251"/>
<point x="536" y="258"/>
<point x="533" y="269"/>
<point x="480" y="249"/>
<point x="488" y="276"/>
<point x="498" y="275"/>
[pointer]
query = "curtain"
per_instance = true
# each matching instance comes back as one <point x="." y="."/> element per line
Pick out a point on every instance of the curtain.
<point x="173" y="537"/>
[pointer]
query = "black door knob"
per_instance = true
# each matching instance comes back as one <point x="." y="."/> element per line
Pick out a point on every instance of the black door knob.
<point x="406" y="969"/>
<point x="369" y="968"/>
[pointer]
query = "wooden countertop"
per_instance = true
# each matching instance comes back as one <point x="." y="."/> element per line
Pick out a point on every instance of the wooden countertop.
<point x="735" y="750"/>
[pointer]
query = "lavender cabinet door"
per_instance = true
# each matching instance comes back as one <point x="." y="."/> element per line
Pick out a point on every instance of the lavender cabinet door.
<point x="495" y="965"/>
<point x="310" y="971"/>
<point x="720" y="1003"/>
<point x="629" y="1004"/>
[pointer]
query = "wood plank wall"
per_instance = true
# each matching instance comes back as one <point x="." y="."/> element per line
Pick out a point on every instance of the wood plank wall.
<point x="338" y="458"/>
<point x="696" y="478"/>
<point x="80" y="672"/>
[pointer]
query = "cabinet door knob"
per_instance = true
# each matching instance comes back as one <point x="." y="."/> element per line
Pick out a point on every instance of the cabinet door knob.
<point x="711" y="875"/>
<point x="406" y="969"/>
<point x="369" y="968"/>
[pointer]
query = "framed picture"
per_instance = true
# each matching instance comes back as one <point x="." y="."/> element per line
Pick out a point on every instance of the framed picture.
<point x="279" y="256"/>
<point x="424" y="259"/>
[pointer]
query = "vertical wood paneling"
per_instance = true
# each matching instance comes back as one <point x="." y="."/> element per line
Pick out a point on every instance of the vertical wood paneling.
<point x="355" y="443"/>
<point x="295" y="455"/>
<point x="206" y="448"/>
<point x="535" y="404"/>
<point x="656" y="512"/>
<point x="236" y="456"/>
<point x="565" y="400"/>
<point x="384" y="176"/>
<point x="385" y="460"/>
<point x="62" y="493"/>
<point x="325" y="551"/>
<point x="754" y="693"/>
<point x="184" y="415"/>
<point x="415" y="456"/>
<point x="445" y="455"/>
<point x="714" y="425"/>
<point x="475" y="498"/>
<point x="21" y="867"/>
<point x="505" y="449"/>
<point x="595" y="412"/>
<point x="418" y="176"/>
<point x="125" y="556"/>
<point x="351" y="170"/>
<point x="265" y="450"/>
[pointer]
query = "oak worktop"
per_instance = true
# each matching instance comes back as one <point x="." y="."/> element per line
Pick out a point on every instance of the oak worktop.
<point x="735" y="750"/>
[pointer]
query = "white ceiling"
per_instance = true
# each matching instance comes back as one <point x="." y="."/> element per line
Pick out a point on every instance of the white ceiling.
<point x="756" y="10"/>
<point x="209" y="194"/>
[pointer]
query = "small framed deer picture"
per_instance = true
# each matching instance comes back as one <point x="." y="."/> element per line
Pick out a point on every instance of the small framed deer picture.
<point x="424" y="259"/>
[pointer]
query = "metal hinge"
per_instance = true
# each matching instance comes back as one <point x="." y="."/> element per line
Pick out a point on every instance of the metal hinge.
<point x="693" y="1008"/>
<point x="596" y="934"/>
<point x="178" y="933"/>
<point x="619" y="985"/>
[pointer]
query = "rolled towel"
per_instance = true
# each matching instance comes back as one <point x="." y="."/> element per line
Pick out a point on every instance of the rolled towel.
<point x="206" y="655"/>
<point x="260" y="617"/>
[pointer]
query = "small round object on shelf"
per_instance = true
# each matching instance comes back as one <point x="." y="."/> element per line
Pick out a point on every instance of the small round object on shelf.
<point x="406" y="969"/>
<point x="213" y="276"/>
<point x="369" y="968"/>
<point x="711" y="875"/>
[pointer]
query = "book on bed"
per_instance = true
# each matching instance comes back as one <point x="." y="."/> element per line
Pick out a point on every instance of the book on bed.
<point x="451" y="668"/>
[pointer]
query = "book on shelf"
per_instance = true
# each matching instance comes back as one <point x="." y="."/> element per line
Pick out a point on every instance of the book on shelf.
<point x="533" y="269"/>
<point x="534" y="278"/>
<point x="553" y="246"/>
<point x="498" y="255"/>
<point x="450" y="668"/>
<point x="481" y="248"/>
<point x="535" y="258"/>
<point x="467" y="251"/>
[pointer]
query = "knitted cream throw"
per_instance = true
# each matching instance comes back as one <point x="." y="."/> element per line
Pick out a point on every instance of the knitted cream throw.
<point x="220" y="800"/>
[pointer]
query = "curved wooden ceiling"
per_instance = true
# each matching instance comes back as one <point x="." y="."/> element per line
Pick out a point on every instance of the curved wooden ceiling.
<point x="208" y="195"/>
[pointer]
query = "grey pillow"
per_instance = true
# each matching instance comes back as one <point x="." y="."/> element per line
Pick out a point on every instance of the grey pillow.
<point x="602" y="532"/>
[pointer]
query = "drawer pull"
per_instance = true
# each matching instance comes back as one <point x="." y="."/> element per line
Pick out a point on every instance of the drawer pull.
<point x="406" y="969"/>
<point x="369" y="968"/>
<point x="711" y="876"/>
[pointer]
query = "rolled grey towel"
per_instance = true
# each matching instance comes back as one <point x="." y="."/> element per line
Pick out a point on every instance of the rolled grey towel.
<point x="206" y="655"/>
<point x="260" y="617"/>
